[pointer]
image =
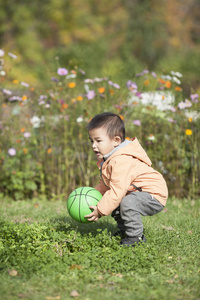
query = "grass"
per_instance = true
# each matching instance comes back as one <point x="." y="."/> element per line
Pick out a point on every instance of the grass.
<point x="46" y="255"/>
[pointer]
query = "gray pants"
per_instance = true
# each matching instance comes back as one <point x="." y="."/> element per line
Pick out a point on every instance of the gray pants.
<point x="128" y="213"/>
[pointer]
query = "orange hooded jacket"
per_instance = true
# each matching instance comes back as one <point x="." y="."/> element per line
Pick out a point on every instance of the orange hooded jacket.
<point x="126" y="166"/>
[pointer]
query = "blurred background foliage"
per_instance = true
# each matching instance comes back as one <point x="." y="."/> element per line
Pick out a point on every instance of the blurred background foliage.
<point x="112" y="38"/>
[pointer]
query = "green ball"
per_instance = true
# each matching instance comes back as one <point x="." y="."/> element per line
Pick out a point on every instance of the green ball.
<point x="80" y="200"/>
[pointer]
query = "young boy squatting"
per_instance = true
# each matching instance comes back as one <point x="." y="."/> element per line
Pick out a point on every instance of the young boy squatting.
<point x="131" y="188"/>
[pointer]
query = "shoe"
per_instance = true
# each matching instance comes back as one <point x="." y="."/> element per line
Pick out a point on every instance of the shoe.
<point x="120" y="233"/>
<point x="132" y="241"/>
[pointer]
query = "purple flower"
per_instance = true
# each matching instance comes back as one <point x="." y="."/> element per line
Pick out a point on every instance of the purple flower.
<point x="194" y="98"/>
<point x="12" y="152"/>
<point x="171" y="120"/>
<point x="115" y="85"/>
<point x="137" y="122"/>
<point x="91" y="94"/>
<point x="131" y="85"/>
<point x="82" y="71"/>
<point x="12" y="55"/>
<point x="27" y="134"/>
<point x="173" y="109"/>
<point x="62" y="71"/>
<point x="154" y="74"/>
<point x="54" y="79"/>
<point x="24" y="84"/>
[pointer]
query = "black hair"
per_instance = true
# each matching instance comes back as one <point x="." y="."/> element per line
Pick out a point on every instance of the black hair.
<point x="111" y="122"/>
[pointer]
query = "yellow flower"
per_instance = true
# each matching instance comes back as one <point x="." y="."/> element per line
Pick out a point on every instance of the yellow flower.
<point x="163" y="97"/>
<point x="22" y="129"/>
<point x="49" y="150"/>
<point x="190" y="120"/>
<point x="112" y="92"/>
<point x="101" y="90"/>
<point x="24" y="97"/>
<point x="71" y="85"/>
<point x="73" y="100"/>
<point x="15" y="81"/>
<point x="146" y="82"/>
<point x="79" y="98"/>
<point x="188" y="132"/>
<point x="25" y="150"/>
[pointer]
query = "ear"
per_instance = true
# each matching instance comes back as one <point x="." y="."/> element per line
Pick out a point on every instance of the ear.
<point x="117" y="140"/>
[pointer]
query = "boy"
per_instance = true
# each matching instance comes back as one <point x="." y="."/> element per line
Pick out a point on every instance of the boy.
<point x="129" y="185"/>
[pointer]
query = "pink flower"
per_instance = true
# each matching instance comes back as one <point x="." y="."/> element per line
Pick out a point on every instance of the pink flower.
<point x="171" y="120"/>
<point x="194" y="98"/>
<point x="62" y="71"/>
<point x="12" y="152"/>
<point x="27" y="134"/>
<point x="137" y="122"/>
<point x="91" y="94"/>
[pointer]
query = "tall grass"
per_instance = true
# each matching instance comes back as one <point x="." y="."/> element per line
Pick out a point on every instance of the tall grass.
<point x="44" y="144"/>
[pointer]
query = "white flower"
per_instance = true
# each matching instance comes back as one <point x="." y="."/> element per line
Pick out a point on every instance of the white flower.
<point x="12" y="55"/>
<point x="177" y="74"/>
<point x="1" y="53"/>
<point x="151" y="137"/>
<point x="35" y="121"/>
<point x="175" y="79"/>
<point x="79" y="119"/>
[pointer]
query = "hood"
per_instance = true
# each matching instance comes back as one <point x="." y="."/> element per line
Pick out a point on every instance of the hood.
<point x="132" y="148"/>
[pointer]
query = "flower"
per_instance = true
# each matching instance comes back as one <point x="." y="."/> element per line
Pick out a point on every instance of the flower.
<point x="151" y="137"/>
<point x="194" y="98"/>
<point x="137" y="122"/>
<point x="168" y="84"/>
<point x="49" y="151"/>
<point x="12" y="55"/>
<point x="25" y="150"/>
<point x="12" y="152"/>
<point x="154" y="74"/>
<point x="171" y="120"/>
<point x="178" y="89"/>
<point x="71" y="85"/>
<point x="101" y="90"/>
<point x="24" y="98"/>
<point x="7" y="92"/>
<point x="146" y="82"/>
<point x="79" y="98"/>
<point x="62" y="71"/>
<point x="27" y="134"/>
<point x="79" y="119"/>
<point x="2" y="52"/>
<point x="183" y="105"/>
<point x="177" y="74"/>
<point x="35" y="121"/>
<point x="15" y="81"/>
<point x="188" y="132"/>
<point x="65" y="105"/>
<point x="24" y="84"/>
<point x="91" y="94"/>
<point x="190" y="119"/>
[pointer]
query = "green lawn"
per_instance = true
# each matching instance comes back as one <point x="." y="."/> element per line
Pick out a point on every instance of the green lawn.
<point x="44" y="254"/>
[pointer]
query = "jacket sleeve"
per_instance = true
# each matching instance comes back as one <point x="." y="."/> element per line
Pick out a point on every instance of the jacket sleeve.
<point x="101" y="187"/>
<point x="121" y="175"/>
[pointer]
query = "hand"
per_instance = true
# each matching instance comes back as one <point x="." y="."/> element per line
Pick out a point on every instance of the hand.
<point x="95" y="215"/>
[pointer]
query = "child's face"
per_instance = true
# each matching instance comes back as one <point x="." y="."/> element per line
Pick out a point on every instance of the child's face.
<point x="101" y="142"/>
